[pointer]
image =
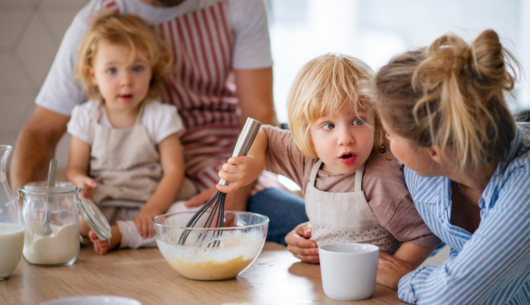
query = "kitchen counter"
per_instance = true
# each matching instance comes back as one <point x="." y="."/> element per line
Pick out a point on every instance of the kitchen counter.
<point x="276" y="277"/>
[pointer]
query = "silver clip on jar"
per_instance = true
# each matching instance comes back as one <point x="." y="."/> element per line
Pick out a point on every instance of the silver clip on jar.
<point x="62" y="246"/>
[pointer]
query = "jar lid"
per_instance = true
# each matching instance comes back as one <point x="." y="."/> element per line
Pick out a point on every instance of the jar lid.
<point x="42" y="188"/>
<point x="95" y="219"/>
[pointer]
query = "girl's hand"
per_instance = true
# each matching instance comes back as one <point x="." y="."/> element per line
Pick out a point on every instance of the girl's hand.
<point x="239" y="171"/>
<point x="390" y="270"/>
<point x="89" y="187"/>
<point x="143" y="222"/>
<point x="301" y="246"/>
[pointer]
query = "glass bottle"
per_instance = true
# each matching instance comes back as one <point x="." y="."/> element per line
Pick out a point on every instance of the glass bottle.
<point x="11" y="221"/>
<point x="62" y="246"/>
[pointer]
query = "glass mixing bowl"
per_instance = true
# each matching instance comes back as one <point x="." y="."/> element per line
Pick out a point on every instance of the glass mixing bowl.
<point x="200" y="253"/>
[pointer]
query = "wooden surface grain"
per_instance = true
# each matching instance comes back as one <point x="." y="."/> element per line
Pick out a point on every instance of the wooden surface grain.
<point x="276" y="277"/>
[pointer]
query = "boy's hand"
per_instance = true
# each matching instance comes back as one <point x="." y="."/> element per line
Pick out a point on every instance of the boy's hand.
<point x="89" y="187"/>
<point x="299" y="244"/>
<point x="143" y="222"/>
<point x="239" y="171"/>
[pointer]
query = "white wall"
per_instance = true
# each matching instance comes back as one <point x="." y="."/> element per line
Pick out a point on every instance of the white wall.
<point x="30" y="34"/>
<point x="376" y="30"/>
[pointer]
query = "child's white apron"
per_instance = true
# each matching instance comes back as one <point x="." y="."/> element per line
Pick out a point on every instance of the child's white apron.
<point x="344" y="217"/>
<point x="125" y="164"/>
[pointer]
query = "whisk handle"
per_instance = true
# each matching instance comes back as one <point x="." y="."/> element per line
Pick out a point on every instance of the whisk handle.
<point x="245" y="140"/>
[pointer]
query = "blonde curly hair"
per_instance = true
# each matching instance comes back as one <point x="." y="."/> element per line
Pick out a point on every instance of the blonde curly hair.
<point x="129" y="31"/>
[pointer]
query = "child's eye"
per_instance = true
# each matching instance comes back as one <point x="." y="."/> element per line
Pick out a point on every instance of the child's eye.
<point x="358" y="122"/>
<point x="138" y="68"/>
<point x="112" y="70"/>
<point x="328" y="126"/>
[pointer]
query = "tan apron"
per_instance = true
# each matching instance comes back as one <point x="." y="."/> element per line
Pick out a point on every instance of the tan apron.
<point x="344" y="217"/>
<point x="126" y="164"/>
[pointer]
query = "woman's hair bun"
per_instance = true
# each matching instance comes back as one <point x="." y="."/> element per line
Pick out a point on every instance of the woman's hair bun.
<point x="488" y="62"/>
<point x="484" y="63"/>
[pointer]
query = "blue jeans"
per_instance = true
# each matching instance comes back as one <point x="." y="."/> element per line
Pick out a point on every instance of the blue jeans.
<point x="284" y="209"/>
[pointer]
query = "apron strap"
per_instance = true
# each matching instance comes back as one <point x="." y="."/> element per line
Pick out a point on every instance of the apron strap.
<point x="314" y="172"/>
<point x="94" y="120"/>
<point x="359" y="178"/>
<point x="98" y="113"/>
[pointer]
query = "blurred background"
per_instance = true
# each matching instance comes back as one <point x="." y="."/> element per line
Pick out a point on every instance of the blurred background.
<point x="374" y="31"/>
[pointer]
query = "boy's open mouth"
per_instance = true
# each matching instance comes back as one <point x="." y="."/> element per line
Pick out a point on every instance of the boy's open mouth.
<point x="126" y="96"/>
<point x="348" y="158"/>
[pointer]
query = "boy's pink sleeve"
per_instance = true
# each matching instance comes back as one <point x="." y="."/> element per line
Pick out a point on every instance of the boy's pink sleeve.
<point x="387" y="194"/>
<point x="281" y="156"/>
<point x="407" y="225"/>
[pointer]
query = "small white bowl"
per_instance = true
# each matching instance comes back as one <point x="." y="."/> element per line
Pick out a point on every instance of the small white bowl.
<point x="93" y="300"/>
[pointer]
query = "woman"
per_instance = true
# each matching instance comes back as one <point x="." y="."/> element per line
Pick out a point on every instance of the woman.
<point x="467" y="167"/>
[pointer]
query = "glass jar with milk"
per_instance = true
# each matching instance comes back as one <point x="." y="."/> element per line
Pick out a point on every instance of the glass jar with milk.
<point x="11" y="221"/>
<point x="52" y="224"/>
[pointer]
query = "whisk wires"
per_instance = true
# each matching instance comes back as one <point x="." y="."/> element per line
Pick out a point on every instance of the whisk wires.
<point x="215" y="219"/>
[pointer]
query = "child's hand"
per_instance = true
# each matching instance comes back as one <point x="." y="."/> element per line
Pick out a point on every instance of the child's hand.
<point x="143" y="222"/>
<point x="239" y="171"/>
<point x="89" y="187"/>
<point x="390" y="270"/>
<point x="299" y="244"/>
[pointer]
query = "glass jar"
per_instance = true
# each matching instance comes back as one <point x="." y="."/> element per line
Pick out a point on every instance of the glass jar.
<point x="62" y="246"/>
<point x="11" y="221"/>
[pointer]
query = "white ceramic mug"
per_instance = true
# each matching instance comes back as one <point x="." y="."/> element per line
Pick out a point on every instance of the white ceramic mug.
<point x="348" y="270"/>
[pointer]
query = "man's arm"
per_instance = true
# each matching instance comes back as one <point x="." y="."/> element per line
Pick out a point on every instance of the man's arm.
<point x="254" y="91"/>
<point x="35" y="146"/>
<point x="60" y="92"/>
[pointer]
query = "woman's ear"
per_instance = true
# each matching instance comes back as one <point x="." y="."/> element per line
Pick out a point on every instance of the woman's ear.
<point x="436" y="153"/>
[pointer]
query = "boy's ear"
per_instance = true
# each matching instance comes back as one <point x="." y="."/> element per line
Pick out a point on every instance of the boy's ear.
<point x="437" y="154"/>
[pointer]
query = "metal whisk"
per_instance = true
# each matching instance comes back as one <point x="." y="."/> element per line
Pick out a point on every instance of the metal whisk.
<point x="217" y="203"/>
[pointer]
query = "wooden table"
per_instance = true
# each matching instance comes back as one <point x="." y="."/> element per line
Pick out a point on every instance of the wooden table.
<point x="276" y="277"/>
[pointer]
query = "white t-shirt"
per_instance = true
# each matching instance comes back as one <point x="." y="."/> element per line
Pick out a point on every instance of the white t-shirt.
<point x="251" y="45"/>
<point x="160" y="120"/>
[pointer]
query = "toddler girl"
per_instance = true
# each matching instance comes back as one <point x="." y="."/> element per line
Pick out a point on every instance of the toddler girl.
<point x="353" y="187"/>
<point x="125" y="150"/>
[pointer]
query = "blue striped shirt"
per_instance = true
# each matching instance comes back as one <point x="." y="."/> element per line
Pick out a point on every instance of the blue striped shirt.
<point x="492" y="266"/>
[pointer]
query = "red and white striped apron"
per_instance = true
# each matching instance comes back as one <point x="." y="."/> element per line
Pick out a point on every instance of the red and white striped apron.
<point x="202" y="88"/>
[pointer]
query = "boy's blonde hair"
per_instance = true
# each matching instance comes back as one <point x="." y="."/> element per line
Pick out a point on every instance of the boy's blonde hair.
<point x="324" y="86"/>
<point x="451" y="95"/>
<point x="129" y="31"/>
